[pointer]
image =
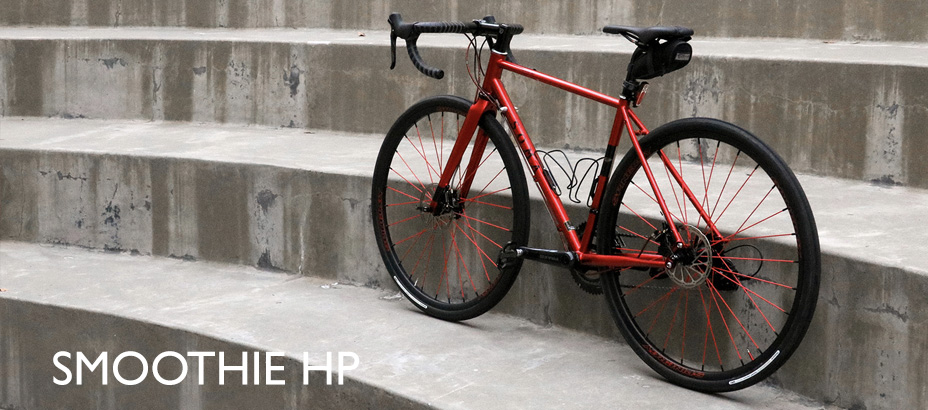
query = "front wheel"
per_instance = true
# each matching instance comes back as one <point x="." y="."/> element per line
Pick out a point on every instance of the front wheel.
<point x="740" y="297"/>
<point x="444" y="260"/>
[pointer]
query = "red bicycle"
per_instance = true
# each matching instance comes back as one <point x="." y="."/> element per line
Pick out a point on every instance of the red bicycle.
<point x="702" y="240"/>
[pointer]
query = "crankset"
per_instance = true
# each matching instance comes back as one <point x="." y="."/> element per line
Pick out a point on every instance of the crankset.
<point x="587" y="279"/>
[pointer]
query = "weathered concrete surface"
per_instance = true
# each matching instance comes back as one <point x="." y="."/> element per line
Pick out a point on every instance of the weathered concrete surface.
<point x="846" y="110"/>
<point x="114" y="303"/>
<point x="268" y="198"/>
<point x="30" y="344"/>
<point x="895" y="20"/>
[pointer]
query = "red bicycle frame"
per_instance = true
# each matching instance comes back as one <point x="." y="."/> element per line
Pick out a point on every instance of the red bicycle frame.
<point x="625" y="120"/>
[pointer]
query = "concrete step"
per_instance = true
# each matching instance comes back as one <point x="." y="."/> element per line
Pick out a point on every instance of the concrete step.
<point x="832" y="109"/>
<point x="118" y="303"/>
<point x="841" y="20"/>
<point x="272" y="197"/>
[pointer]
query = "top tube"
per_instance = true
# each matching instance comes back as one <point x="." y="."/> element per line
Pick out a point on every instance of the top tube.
<point x="559" y="83"/>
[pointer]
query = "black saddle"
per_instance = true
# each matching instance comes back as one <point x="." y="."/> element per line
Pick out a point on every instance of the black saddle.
<point x="644" y="36"/>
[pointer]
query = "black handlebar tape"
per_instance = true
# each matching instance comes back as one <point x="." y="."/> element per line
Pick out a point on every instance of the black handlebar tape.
<point x="417" y="61"/>
<point x="514" y="29"/>
<point x="444" y="27"/>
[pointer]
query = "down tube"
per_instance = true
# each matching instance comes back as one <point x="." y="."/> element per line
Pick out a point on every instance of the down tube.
<point x="552" y="201"/>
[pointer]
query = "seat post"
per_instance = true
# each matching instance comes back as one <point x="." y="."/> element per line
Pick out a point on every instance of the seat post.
<point x="630" y="89"/>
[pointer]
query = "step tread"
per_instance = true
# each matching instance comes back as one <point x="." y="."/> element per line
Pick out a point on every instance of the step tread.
<point x="773" y="49"/>
<point x="856" y="220"/>
<point x="494" y="361"/>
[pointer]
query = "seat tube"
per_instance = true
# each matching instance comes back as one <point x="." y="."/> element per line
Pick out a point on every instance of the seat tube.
<point x="552" y="201"/>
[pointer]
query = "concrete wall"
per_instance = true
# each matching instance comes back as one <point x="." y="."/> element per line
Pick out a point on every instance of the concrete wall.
<point x="894" y="20"/>
<point x="865" y="347"/>
<point x="849" y="120"/>
<point x="275" y="218"/>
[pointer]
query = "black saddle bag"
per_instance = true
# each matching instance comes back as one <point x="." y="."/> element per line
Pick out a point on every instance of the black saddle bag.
<point x="657" y="59"/>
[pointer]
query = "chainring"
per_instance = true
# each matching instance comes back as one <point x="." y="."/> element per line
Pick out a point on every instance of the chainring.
<point x="587" y="279"/>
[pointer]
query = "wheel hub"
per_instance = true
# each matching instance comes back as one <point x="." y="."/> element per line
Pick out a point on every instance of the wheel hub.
<point x="449" y="206"/>
<point x="691" y="265"/>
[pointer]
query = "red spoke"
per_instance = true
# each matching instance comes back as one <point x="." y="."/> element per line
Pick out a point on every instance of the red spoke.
<point x="487" y="203"/>
<point x="444" y="273"/>
<point x="748" y="292"/>
<point x="686" y="308"/>
<point x="639" y="235"/>
<point x="644" y="192"/>
<point x="711" y="171"/>
<point x="734" y="279"/>
<point x="757" y="259"/>
<point x="483" y="161"/>
<point x="718" y="308"/>
<point x="709" y="331"/>
<point x="743" y="328"/>
<point x="641" y="285"/>
<point x="676" y="310"/>
<point x="761" y="221"/>
<point x="422" y="152"/>
<point x="722" y="192"/>
<point x="482" y="221"/>
<point x="741" y="284"/>
<point x="660" y="313"/>
<point x="639" y="216"/>
<point x="413" y="246"/>
<point x="460" y="173"/>
<point x="479" y="249"/>
<point x="782" y="285"/>
<point x="402" y="193"/>
<point x="410" y="169"/>
<point x="680" y="167"/>
<point x="754" y="237"/>
<point x="466" y="270"/>
<point x="404" y="179"/>
<point x="702" y="166"/>
<point x="407" y="219"/>
<point x="491" y="181"/>
<point x="422" y="145"/>
<point x="428" y="246"/>
<point x="673" y="185"/>
<point x="483" y="264"/>
<point x="489" y="193"/>
<point x="666" y="295"/>
<point x="484" y="236"/>
<point x="442" y="136"/>
<point x="736" y="193"/>
<point x="402" y="203"/>
<point x="655" y="201"/>
<point x="762" y="200"/>
<point x="415" y="235"/>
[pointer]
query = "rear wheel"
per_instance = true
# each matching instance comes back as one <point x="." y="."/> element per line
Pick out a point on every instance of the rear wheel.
<point x="445" y="260"/>
<point x="738" y="300"/>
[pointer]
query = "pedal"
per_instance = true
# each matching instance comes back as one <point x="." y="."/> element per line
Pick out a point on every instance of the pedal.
<point x="508" y="256"/>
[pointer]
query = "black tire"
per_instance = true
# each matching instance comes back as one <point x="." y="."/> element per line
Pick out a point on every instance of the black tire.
<point x="737" y="306"/>
<point x="446" y="265"/>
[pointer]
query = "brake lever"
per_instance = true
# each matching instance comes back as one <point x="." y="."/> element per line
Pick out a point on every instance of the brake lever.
<point x="395" y="21"/>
